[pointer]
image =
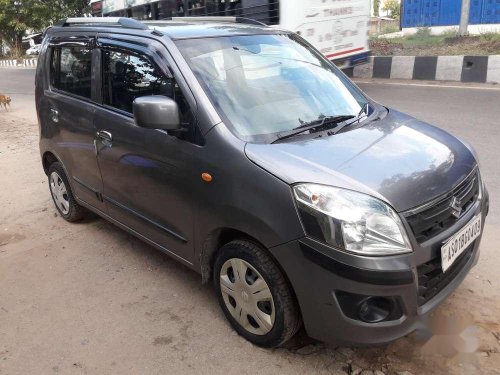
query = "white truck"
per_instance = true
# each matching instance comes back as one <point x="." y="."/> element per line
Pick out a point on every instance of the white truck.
<point x="338" y="28"/>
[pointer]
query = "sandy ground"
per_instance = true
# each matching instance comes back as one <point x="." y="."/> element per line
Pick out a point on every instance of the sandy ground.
<point x="89" y="298"/>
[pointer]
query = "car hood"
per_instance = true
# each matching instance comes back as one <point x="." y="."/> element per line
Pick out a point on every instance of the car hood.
<point x="398" y="159"/>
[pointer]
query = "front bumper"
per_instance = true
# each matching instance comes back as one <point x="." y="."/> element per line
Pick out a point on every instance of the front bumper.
<point x="319" y="274"/>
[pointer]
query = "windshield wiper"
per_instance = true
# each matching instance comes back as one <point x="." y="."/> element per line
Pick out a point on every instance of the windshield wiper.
<point x="315" y="124"/>
<point x="364" y="112"/>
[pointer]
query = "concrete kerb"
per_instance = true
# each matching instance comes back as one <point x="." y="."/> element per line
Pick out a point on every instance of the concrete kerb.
<point x="19" y="63"/>
<point x="480" y="69"/>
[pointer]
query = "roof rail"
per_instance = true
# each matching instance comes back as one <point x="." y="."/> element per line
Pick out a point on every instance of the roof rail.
<point x="128" y="23"/>
<point x="211" y="19"/>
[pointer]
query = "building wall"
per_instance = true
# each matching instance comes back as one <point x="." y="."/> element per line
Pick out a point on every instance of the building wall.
<point x="266" y="11"/>
<point x="379" y="25"/>
<point x="419" y="13"/>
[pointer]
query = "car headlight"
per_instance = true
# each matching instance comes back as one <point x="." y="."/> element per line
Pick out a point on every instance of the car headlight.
<point x="351" y="221"/>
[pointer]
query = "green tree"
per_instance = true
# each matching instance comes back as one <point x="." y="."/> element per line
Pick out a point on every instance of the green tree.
<point x="75" y="8"/>
<point x="19" y="16"/>
<point x="393" y="7"/>
<point x="376" y="7"/>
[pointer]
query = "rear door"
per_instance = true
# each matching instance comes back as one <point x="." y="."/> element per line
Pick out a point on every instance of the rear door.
<point x="147" y="173"/>
<point x="70" y="112"/>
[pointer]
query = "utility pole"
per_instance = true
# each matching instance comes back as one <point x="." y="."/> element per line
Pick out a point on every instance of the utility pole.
<point x="464" y="18"/>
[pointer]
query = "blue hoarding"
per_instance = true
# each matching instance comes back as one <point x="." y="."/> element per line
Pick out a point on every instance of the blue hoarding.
<point x="419" y="13"/>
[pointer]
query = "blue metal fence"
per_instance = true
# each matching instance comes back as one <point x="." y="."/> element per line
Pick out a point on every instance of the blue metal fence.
<point x="418" y="13"/>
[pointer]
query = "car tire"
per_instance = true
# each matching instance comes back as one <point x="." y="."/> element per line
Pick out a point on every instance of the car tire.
<point x="63" y="198"/>
<point x="262" y="308"/>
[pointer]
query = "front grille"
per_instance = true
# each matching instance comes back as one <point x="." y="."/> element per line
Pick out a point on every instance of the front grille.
<point x="434" y="218"/>
<point x="432" y="279"/>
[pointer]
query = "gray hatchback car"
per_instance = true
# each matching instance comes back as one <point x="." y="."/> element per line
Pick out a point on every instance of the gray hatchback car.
<point x="242" y="152"/>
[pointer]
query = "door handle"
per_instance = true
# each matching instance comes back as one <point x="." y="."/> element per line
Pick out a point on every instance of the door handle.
<point x="54" y="115"/>
<point x="104" y="136"/>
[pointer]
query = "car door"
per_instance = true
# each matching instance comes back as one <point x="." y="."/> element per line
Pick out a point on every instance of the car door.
<point x="70" y="111"/>
<point x="146" y="172"/>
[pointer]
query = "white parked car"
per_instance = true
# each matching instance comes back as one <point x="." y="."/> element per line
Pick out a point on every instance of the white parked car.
<point x="4" y="50"/>
<point x="35" y="50"/>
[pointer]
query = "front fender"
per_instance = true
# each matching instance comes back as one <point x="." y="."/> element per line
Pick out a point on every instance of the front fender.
<point x="243" y="197"/>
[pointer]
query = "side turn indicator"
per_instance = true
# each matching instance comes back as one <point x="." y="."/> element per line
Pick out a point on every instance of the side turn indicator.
<point x="207" y="177"/>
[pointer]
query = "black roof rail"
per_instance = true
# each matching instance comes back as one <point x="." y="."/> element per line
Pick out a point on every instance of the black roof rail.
<point x="210" y="19"/>
<point x="128" y="23"/>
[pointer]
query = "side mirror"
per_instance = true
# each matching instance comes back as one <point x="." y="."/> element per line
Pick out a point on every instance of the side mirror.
<point x="156" y="112"/>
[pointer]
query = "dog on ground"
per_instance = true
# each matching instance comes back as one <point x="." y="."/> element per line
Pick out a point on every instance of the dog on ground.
<point x="5" y="101"/>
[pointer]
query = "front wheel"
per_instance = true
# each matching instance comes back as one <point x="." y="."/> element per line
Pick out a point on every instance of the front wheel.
<point x="254" y="294"/>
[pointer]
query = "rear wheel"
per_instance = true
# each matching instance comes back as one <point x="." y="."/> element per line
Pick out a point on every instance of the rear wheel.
<point x="255" y="295"/>
<point x="62" y="195"/>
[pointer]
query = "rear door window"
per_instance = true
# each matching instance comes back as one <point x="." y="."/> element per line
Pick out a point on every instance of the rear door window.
<point x="71" y="70"/>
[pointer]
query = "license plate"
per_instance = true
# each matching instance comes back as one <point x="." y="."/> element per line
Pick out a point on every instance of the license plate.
<point x="459" y="242"/>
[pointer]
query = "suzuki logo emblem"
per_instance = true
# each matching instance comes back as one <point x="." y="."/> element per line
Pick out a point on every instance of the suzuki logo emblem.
<point x="456" y="206"/>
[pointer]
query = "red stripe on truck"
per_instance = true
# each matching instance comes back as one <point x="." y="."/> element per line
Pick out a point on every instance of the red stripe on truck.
<point x="345" y="52"/>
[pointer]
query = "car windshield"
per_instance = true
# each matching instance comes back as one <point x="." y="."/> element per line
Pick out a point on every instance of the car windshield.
<point x="263" y="85"/>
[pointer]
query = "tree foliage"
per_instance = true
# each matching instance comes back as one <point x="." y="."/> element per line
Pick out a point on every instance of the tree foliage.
<point x="376" y="7"/>
<point x="393" y="7"/>
<point x="19" y="16"/>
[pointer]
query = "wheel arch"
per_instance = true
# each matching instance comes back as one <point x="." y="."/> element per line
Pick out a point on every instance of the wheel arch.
<point x="220" y="237"/>
<point x="213" y="242"/>
<point x="48" y="159"/>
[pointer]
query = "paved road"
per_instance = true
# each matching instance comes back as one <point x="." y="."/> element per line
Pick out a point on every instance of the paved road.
<point x="89" y="298"/>
<point x="20" y="85"/>
<point x="17" y="81"/>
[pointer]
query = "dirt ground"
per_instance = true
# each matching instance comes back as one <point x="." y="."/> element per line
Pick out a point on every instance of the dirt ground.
<point x="427" y="45"/>
<point x="89" y="298"/>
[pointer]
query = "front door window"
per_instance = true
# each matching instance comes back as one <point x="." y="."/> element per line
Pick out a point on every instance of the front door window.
<point x="129" y="76"/>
